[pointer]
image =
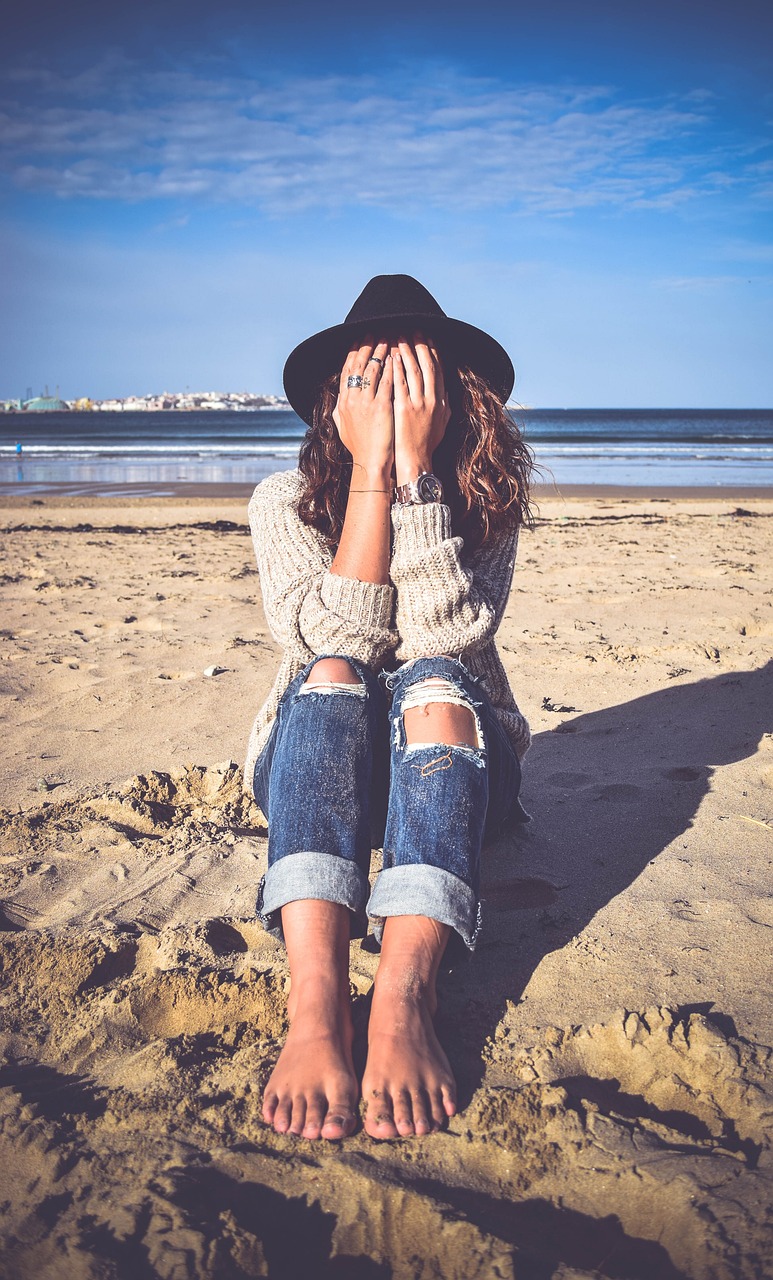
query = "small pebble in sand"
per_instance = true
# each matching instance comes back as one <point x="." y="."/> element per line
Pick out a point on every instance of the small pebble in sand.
<point x="214" y="671"/>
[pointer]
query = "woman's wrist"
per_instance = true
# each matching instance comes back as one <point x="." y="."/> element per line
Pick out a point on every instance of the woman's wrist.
<point x="368" y="477"/>
<point x="411" y="465"/>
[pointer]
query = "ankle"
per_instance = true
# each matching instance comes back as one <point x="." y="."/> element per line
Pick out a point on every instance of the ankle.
<point x="322" y="997"/>
<point x="401" y="983"/>
<point x="414" y="944"/>
<point x="409" y="973"/>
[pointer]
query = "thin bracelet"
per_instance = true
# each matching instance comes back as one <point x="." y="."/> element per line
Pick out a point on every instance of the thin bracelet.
<point x="371" y="490"/>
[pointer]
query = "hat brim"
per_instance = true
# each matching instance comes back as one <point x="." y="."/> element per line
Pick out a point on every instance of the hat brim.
<point x="313" y="361"/>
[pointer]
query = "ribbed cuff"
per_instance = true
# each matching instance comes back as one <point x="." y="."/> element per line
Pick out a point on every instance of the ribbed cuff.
<point x="419" y="528"/>
<point x="368" y="603"/>
<point x="310" y="875"/>
<point x="420" y="890"/>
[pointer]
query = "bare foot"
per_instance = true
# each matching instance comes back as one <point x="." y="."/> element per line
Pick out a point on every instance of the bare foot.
<point x="312" y="1092"/>
<point x="408" y="1085"/>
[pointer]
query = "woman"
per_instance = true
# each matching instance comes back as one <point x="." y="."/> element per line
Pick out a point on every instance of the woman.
<point x="385" y="564"/>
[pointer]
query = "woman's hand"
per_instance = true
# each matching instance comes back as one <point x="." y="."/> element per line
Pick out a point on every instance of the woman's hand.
<point x="365" y="421"/>
<point x="421" y="407"/>
<point x="364" y="416"/>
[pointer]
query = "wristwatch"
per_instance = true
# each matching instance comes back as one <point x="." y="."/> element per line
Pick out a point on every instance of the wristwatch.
<point x="425" y="488"/>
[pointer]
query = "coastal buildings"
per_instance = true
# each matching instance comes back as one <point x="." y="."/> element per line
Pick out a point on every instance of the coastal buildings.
<point x="176" y="401"/>
<point x="45" y="404"/>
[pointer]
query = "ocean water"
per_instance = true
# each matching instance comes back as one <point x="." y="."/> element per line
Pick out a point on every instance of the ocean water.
<point x="647" y="447"/>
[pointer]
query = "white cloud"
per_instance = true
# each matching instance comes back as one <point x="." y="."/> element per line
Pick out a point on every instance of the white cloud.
<point x="437" y="139"/>
<point x="746" y="251"/>
<point x="703" y="284"/>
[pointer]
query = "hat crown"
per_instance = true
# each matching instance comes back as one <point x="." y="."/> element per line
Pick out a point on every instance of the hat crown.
<point x="388" y="307"/>
<point x="388" y="297"/>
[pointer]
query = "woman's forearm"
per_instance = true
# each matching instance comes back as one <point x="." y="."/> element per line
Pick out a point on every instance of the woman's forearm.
<point x="364" y="419"/>
<point x="363" y="551"/>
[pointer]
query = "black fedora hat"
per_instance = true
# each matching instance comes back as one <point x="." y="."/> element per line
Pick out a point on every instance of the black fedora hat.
<point x="393" y="305"/>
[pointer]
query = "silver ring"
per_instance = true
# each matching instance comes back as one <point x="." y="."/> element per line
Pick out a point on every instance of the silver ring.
<point x="377" y="360"/>
<point x="354" y="380"/>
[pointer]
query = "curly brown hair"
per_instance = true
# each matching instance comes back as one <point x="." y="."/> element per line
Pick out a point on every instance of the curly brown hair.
<point x="482" y="461"/>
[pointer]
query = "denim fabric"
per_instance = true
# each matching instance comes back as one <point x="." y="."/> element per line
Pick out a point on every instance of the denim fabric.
<point x="337" y="776"/>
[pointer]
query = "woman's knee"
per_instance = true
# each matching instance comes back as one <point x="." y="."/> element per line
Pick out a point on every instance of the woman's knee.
<point x="332" y="671"/>
<point x="437" y="711"/>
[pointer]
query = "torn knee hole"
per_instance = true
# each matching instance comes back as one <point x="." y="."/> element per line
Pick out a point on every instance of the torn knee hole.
<point x="437" y="711"/>
<point x="332" y="675"/>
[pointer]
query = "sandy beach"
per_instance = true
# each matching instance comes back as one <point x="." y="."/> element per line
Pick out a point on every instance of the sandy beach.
<point x="610" y="1035"/>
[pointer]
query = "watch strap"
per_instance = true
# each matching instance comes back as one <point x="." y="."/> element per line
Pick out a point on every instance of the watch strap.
<point x="409" y="493"/>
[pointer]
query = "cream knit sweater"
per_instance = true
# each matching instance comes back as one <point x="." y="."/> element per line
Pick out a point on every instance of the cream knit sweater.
<point x="438" y="600"/>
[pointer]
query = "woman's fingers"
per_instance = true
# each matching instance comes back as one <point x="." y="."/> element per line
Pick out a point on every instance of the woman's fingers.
<point x="440" y="397"/>
<point x="426" y="358"/>
<point x="413" y="373"/>
<point x="348" y="366"/>
<point x="343" y="390"/>
<point x="356" y="360"/>
<point x="362" y="355"/>
<point x="386" y="380"/>
<point x="423" y="370"/>
<point x="364" y="419"/>
<point x="420" y="407"/>
<point x="440" y="385"/>
<point x="399" y="380"/>
<point x="365" y="361"/>
<point x="374" y="367"/>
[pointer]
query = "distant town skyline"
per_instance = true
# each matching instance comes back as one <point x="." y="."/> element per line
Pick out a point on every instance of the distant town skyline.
<point x="189" y="191"/>
<point x="151" y="401"/>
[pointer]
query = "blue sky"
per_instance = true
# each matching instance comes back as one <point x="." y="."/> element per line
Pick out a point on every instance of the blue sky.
<point x="187" y="190"/>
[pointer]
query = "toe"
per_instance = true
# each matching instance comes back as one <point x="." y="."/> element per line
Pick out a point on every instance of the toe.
<point x="449" y="1099"/>
<point x="270" y="1101"/>
<point x="379" y="1115"/>
<point x="439" y="1114"/>
<point x="403" y="1110"/>
<point x="298" y="1116"/>
<point x="421" y="1115"/>
<point x="283" y="1115"/>
<point x="316" y="1110"/>
<point x="339" y="1121"/>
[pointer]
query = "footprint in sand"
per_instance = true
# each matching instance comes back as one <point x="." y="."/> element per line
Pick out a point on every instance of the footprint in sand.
<point x="223" y="938"/>
<point x="174" y="1004"/>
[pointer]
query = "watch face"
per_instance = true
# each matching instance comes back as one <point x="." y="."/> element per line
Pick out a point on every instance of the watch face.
<point x="430" y="489"/>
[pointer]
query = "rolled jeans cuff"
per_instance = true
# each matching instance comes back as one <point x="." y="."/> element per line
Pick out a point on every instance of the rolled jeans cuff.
<point x="417" y="889"/>
<point x="312" y="875"/>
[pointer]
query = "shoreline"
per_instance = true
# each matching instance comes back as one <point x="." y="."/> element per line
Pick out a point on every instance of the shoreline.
<point x="106" y="494"/>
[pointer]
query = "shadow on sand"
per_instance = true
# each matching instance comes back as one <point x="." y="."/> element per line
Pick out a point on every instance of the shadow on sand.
<point x="609" y="791"/>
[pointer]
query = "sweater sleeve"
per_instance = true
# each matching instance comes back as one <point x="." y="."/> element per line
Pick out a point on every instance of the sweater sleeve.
<point x="308" y="608"/>
<point x="446" y="604"/>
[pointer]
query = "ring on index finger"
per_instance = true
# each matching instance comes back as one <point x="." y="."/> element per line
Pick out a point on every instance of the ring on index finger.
<point x="354" y="380"/>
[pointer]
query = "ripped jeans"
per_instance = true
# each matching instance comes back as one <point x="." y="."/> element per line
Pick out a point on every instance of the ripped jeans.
<point x="337" y="776"/>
